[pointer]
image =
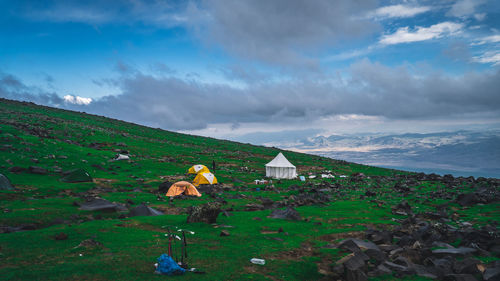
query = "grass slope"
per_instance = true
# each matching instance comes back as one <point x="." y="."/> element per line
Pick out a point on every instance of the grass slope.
<point x="32" y="135"/>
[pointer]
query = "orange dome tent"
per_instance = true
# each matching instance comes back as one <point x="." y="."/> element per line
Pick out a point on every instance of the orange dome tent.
<point x="182" y="187"/>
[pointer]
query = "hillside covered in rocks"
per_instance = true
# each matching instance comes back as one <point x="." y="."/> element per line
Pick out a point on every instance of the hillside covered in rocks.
<point x="70" y="210"/>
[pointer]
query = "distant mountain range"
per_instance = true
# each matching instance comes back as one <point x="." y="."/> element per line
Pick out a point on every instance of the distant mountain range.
<point x="461" y="153"/>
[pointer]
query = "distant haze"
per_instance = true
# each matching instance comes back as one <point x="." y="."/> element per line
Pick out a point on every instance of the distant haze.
<point x="461" y="153"/>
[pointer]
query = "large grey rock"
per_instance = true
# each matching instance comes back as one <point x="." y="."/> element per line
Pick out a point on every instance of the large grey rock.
<point x="380" y="270"/>
<point x="358" y="261"/>
<point x="355" y="275"/>
<point x="461" y="251"/>
<point x="491" y="274"/>
<point x="466" y="266"/>
<point x="396" y="267"/>
<point x="37" y="170"/>
<point x="5" y="183"/>
<point x="363" y="245"/>
<point x="143" y="210"/>
<point x="289" y="214"/>
<point x="207" y="213"/>
<point x="459" y="277"/>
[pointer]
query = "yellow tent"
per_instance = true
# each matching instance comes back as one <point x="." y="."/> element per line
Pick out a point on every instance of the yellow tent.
<point x="204" y="178"/>
<point x="196" y="169"/>
<point x="182" y="187"/>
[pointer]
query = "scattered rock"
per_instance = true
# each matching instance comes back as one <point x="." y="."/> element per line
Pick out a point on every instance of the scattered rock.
<point x="492" y="274"/>
<point x="462" y="251"/>
<point x="89" y="244"/>
<point x="37" y="170"/>
<point x="143" y="210"/>
<point x="5" y="183"/>
<point x="289" y="214"/>
<point x="254" y="207"/>
<point x="61" y="236"/>
<point x="224" y="233"/>
<point x="17" y="170"/>
<point x="204" y="213"/>
<point x="98" y="204"/>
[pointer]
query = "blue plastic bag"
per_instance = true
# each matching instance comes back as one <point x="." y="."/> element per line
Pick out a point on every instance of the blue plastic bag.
<point x="167" y="266"/>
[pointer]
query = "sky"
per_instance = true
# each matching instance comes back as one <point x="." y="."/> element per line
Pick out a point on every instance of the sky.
<point x="228" y="69"/>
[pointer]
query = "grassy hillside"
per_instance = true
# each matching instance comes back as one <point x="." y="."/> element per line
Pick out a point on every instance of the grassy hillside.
<point x="59" y="140"/>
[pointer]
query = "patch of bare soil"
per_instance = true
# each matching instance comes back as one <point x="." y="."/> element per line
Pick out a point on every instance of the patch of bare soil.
<point x="332" y="237"/>
<point x="104" y="182"/>
<point x="172" y="178"/>
<point x="141" y="226"/>
<point x="169" y="210"/>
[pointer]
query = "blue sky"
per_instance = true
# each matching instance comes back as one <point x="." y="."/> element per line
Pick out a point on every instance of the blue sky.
<point x="239" y="67"/>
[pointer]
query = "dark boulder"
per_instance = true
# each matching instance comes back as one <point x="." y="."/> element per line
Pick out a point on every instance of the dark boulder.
<point x="363" y="245"/>
<point x="459" y="277"/>
<point x="466" y="266"/>
<point x="207" y="213"/>
<point x="17" y="170"/>
<point x="492" y="273"/>
<point x="143" y="210"/>
<point x="37" y="170"/>
<point x="289" y="214"/>
<point x="254" y="207"/>
<point x="5" y="183"/>
<point x="462" y="251"/>
<point x="468" y="199"/>
<point x="402" y="208"/>
<point x="164" y="186"/>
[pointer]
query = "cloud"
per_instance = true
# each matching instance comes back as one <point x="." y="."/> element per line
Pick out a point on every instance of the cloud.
<point x="77" y="100"/>
<point x="13" y="88"/>
<point x="368" y="89"/>
<point x="398" y="11"/>
<point x="458" y="51"/>
<point x="465" y="8"/>
<point x="282" y="32"/>
<point x="372" y="89"/>
<point x="488" y="39"/>
<point x="480" y="16"/>
<point x="490" y="57"/>
<point x="151" y="12"/>
<point x="404" y="35"/>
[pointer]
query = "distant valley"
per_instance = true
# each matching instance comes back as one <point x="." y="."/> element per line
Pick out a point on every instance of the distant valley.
<point x="461" y="153"/>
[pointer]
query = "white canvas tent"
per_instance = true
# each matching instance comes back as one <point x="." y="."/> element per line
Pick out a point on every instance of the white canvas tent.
<point x="280" y="168"/>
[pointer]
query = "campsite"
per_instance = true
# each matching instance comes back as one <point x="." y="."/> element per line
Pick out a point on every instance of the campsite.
<point x="71" y="211"/>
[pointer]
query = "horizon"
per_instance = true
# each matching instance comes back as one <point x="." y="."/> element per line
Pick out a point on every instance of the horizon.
<point x="285" y="73"/>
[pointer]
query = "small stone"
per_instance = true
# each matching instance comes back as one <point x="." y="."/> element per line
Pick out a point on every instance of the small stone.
<point x="61" y="236"/>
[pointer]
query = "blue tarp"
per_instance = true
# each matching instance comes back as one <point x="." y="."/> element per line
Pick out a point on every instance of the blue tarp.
<point x="167" y="266"/>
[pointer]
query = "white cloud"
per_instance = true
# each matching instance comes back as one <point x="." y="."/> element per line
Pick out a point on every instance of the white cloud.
<point x="77" y="100"/>
<point x="488" y="39"/>
<point x="398" y="11"/>
<point x="492" y="57"/>
<point x="480" y="16"/>
<point x="465" y="8"/>
<point x="404" y="35"/>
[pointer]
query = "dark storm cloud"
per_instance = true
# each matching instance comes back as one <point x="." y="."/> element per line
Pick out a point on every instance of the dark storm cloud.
<point x="372" y="89"/>
<point x="280" y="31"/>
<point x="12" y="88"/>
